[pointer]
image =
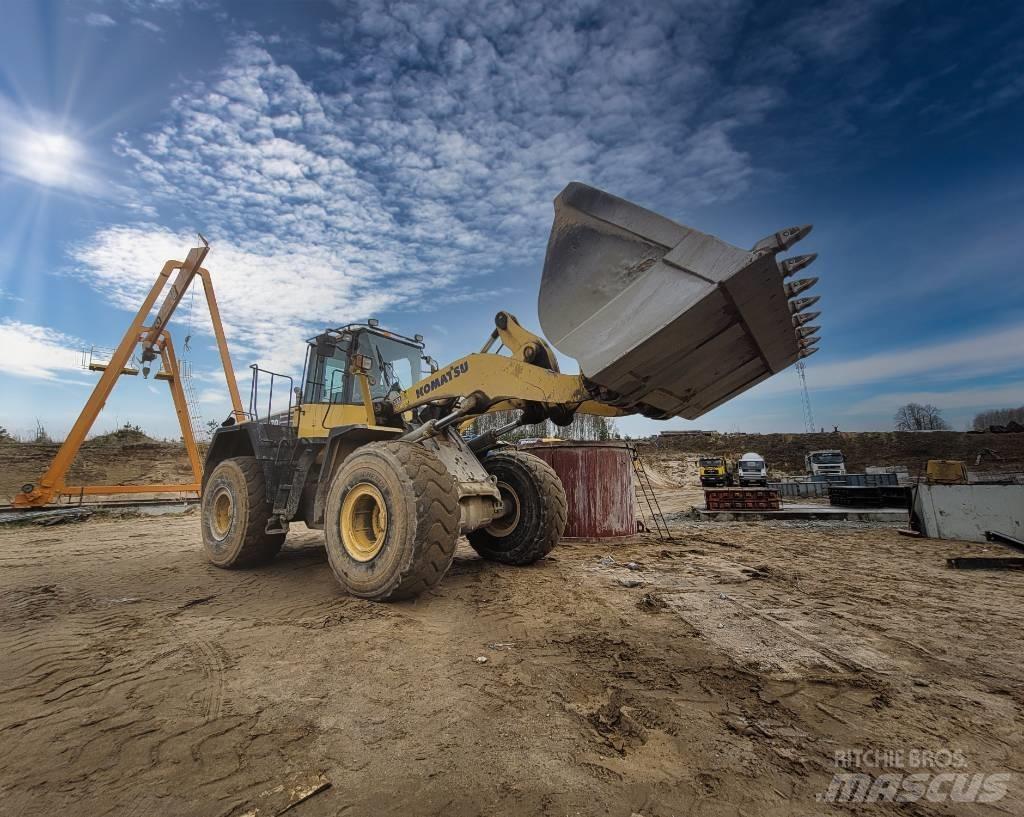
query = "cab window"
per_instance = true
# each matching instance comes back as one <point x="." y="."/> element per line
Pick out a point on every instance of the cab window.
<point x="327" y="378"/>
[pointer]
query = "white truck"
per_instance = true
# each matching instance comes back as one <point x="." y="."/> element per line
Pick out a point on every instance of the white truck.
<point x="829" y="462"/>
<point x="752" y="470"/>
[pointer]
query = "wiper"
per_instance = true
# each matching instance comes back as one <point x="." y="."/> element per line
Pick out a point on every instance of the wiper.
<point x="390" y="380"/>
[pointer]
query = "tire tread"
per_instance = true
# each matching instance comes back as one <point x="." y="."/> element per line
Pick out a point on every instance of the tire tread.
<point x="436" y="503"/>
<point x="553" y="512"/>
<point x="258" y="547"/>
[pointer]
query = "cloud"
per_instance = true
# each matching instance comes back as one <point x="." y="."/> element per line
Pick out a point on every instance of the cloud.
<point x="446" y="133"/>
<point x="837" y="29"/>
<point x="412" y="150"/>
<point x="37" y="352"/>
<point x="99" y="20"/>
<point x="978" y="355"/>
<point x="362" y="185"/>
<point x="975" y="397"/>
<point x="214" y="396"/>
<point x="7" y="296"/>
<point x="269" y="301"/>
<point x="174" y="6"/>
<point x="981" y="354"/>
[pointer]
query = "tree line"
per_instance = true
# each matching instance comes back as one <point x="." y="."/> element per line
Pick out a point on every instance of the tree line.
<point x="582" y="427"/>
<point x="998" y="417"/>
<point x="926" y="417"/>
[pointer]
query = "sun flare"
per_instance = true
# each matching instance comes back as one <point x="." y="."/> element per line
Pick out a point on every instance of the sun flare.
<point x="48" y="158"/>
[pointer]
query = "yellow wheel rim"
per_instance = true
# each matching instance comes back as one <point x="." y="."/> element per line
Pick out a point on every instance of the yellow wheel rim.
<point x="364" y="522"/>
<point x="506" y="523"/>
<point x="223" y="510"/>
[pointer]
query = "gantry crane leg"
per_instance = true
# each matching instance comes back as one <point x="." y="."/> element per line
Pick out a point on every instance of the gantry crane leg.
<point x="155" y="341"/>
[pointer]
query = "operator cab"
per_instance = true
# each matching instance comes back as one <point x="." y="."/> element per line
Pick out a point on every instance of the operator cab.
<point x="395" y="363"/>
<point x="827" y="458"/>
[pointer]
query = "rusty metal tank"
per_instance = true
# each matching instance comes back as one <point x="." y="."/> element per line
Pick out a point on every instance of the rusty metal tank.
<point x="598" y="482"/>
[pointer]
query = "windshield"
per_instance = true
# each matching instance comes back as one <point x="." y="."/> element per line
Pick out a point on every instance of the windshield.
<point x="751" y="465"/>
<point x="710" y="462"/>
<point x="831" y="458"/>
<point x="396" y="365"/>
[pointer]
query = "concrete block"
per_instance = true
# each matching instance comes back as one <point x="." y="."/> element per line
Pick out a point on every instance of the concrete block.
<point x="966" y="511"/>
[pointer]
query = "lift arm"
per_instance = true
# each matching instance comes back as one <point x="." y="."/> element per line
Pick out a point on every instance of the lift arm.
<point x="528" y="376"/>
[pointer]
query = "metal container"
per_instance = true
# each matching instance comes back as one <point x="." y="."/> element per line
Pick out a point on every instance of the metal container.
<point x="598" y="482"/>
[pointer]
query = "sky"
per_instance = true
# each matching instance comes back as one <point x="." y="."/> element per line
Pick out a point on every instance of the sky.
<point x="399" y="160"/>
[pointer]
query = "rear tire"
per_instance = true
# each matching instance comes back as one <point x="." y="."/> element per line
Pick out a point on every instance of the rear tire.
<point x="535" y="514"/>
<point x="235" y="514"/>
<point x="391" y="521"/>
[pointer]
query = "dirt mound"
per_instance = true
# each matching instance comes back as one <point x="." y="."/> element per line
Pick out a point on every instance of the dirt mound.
<point x="126" y="435"/>
<point x="665" y="472"/>
<point x="112" y="459"/>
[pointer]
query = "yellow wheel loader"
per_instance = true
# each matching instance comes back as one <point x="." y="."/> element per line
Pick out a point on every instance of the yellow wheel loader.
<point x="663" y="320"/>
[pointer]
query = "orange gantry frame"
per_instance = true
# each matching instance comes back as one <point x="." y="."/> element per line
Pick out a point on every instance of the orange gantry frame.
<point x="155" y="341"/>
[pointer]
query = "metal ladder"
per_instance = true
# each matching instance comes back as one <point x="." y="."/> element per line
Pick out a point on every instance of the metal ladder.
<point x="645" y="496"/>
<point x="199" y="431"/>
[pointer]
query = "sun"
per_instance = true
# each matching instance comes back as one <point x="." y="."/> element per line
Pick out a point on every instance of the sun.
<point x="51" y="159"/>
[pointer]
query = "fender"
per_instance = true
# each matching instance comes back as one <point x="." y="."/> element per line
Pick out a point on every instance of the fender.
<point x="341" y="442"/>
<point x="237" y="440"/>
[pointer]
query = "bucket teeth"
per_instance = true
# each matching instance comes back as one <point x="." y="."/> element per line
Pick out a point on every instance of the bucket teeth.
<point x="806" y="317"/>
<point x="791" y="266"/>
<point x="782" y="240"/>
<point x="801" y="285"/>
<point x="807" y="343"/>
<point x="800" y="304"/>
<point x="806" y="331"/>
<point x="807" y="353"/>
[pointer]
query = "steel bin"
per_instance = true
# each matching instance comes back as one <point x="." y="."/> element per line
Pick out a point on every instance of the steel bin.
<point x="598" y="482"/>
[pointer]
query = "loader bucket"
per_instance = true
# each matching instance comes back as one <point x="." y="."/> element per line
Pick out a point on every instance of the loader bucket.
<point x="662" y="319"/>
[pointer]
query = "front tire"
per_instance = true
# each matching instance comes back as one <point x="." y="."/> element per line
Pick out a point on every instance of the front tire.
<point x="535" y="510"/>
<point x="235" y="514"/>
<point x="391" y="521"/>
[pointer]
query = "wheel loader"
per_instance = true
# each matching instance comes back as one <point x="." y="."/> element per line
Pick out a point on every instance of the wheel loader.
<point x="663" y="321"/>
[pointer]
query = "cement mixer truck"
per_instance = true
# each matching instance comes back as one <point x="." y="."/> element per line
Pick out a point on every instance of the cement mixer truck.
<point x="752" y="470"/>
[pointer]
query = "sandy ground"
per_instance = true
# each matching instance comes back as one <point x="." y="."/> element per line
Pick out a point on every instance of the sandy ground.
<point x="139" y="680"/>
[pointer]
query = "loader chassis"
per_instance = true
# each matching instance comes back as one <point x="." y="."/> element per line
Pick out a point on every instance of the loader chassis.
<point x="341" y="458"/>
<point x="299" y="457"/>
